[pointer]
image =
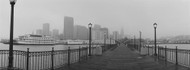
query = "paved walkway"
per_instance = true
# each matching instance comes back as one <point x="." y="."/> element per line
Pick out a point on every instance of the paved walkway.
<point x="122" y="58"/>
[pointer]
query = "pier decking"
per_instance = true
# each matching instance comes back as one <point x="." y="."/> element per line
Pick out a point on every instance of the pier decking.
<point x="122" y="58"/>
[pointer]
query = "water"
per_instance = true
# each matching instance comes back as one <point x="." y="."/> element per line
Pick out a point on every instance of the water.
<point x="179" y="46"/>
<point x="40" y="47"/>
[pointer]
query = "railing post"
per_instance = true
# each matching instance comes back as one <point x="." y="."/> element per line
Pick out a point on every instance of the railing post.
<point x="176" y="56"/>
<point x="158" y="52"/>
<point x="79" y="53"/>
<point x="69" y="50"/>
<point x="165" y="54"/>
<point x="148" y="49"/>
<point x="87" y="53"/>
<point x="152" y="50"/>
<point x="27" y="59"/>
<point x="52" y="65"/>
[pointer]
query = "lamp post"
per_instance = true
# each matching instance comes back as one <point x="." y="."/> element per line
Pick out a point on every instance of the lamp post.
<point x="10" y="66"/>
<point x="110" y="40"/>
<point x="90" y="27"/>
<point x="140" y="41"/>
<point x="155" y="26"/>
<point x="104" y="39"/>
<point x="135" y="43"/>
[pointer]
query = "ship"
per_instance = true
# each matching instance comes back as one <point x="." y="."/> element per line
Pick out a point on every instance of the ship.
<point x="32" y="39"/>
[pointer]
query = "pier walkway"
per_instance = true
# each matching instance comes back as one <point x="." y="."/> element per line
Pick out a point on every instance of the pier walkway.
<point x="122" y="58"/>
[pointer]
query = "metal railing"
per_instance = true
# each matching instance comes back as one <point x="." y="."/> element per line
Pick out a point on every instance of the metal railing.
<point x="43" y="60"/>
<point x="173" y="55"/>
<point x="48" y="60"/>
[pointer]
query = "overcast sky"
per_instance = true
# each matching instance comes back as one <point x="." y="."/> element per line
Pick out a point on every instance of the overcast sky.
<point x="172" y="16"/>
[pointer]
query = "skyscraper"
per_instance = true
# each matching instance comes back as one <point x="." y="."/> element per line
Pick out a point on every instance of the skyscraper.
<point x="39" y="32"/>
<point x="46" y="29"/>
<point x="80" y="32"/>
<point x="115" y="35"/>
<point x="104" y="31"/>
<point x="122" y="33"/>
<point x="55" y="33"/>
<point x="68" y="27"/>
<point x="96" y="32"/>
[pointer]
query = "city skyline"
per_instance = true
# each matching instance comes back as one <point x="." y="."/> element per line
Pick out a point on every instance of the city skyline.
<point x="172" y="17"/>
<point x="79" y="32"/>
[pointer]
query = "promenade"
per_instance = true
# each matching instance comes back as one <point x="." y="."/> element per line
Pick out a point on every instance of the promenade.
<point x="122" y="58"/>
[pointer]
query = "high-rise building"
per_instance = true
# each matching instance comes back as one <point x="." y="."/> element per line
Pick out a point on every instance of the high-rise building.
<point x="115" y="35"/>
<point x="80" y="32"/>
<point x="104" y="33"/>
<point x="122" y="33"/>
<point x="68" y="27"/>
<point x="46" y="29"/>
<point x="55" y="33"/>
<point x="96" y="32"/>
<point x="96" y="26"/>
<point x="39" y="32"/>
<point x="99" y="33"/>
<point x="61" y="36"/>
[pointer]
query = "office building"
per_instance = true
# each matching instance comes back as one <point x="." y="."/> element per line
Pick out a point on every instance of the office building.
<point x="115" y="35"/>
<point x="68" y="28"/>
<point x="46" y="29"/>
<point x="122" y="34"/>
<point x="55" y="33"/>
<point x="39" y="32"/>
<point x="80" y="32"/>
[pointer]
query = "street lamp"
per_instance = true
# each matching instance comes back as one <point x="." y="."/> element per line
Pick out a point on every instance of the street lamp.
<point x="10" y="66"/>
<point x="140" y="41"/>
<point x="110" y="40"/>
<point x="155" y="26"/>
<point x="90" y="27"/>
<point x="104" y="39"/>
<point x="135" y="43"/>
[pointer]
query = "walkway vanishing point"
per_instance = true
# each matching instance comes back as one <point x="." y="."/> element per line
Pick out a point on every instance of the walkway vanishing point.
<point x="123" y="58"/>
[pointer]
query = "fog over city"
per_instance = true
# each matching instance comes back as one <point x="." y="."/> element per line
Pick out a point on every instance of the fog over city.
<point x="172" y="16"/>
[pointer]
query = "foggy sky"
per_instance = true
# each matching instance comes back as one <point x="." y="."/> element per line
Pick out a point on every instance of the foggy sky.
<point x="172" y="16"/>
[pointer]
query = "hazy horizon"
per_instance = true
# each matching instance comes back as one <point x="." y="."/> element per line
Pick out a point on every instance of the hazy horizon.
<point x="172" y="16"/>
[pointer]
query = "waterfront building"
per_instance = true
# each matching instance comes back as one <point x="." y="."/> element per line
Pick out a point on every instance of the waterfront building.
<point x="115" y="35"/>
<point x="98" y="32"/>
<point x="46" y="29"/>
<point x="122" y="34"/>
<point x="61" y="36"/>
<point x="80" y="32"/>
<point x="55" y="33"/>
<point x="39" y="32"/>
<point x="68" y="28"/>
<point x="104" y="32"/>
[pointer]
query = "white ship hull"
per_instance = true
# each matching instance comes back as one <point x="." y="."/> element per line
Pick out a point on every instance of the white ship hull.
<point x="32" y="43"/>
<point x="31" y="39"/>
